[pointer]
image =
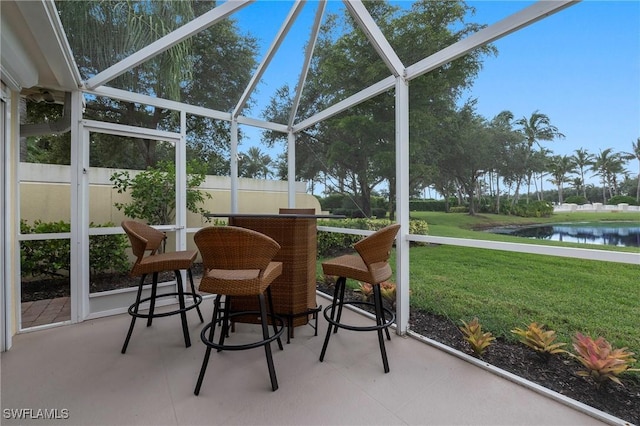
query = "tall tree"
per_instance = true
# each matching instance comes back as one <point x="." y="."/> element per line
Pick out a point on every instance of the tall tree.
<point x="608" y="165"/>
<point x="560" y="167"/>
<point x="582" y="159"/>
<point x="536" y="128"/>
<point x="635" y="154"/>
<point x="579" y="186"/>
<point x="508" y="142"/>
<point x="472" y="155"/>
<point x="255" y="164"/>
<point x="103" y="32"/>
<point x="358" y="145"/>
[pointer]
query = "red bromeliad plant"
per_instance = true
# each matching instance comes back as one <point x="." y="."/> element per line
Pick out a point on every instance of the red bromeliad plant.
<point x="600" y="360"/>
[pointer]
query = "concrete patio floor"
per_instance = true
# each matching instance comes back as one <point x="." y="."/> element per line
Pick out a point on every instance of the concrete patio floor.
<point x="78" y="374"/>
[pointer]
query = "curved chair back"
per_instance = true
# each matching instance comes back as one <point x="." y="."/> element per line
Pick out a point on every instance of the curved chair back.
<point x="143" y="239"/>
<point x="375" y="251"/>
<point x="231" y="247"/>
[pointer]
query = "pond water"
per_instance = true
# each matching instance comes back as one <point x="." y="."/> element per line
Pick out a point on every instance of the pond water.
<point x="621" y="234"/>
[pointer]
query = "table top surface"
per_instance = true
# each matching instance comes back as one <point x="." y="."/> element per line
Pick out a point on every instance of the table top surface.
<point x="276" y="215"/>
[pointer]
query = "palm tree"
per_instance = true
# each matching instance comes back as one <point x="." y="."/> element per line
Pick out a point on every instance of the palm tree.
<point x="104" y="32"/>
<point x="539" y="165"/>
<point x="600" y="168"/>
<point x="560" y="166"/>
<point x="630" y="156"/>
<point x="582" y="159"/>
<point x="608" y="165"/>
<point x="254" y="164"/>
<point x="578" y="185"/>
<point x="536" y="128"/>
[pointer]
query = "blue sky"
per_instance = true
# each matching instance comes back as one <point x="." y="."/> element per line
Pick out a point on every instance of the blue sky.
<point x="581" y="67"/>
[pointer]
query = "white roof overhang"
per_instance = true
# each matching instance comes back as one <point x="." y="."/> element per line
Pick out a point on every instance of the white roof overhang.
<point x="34" y="50"/>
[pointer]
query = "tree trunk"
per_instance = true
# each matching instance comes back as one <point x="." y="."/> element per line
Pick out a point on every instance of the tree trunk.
<point x="471" y="195"/>
<point x="392" y="200"/>
<point x="497" y="193"/>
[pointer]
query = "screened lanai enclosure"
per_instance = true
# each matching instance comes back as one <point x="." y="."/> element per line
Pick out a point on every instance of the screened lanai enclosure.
<point x="181" y="114"/>
<point x="344" y="96"/>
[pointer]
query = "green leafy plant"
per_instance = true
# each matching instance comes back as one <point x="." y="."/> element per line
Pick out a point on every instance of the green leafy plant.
<point x="387" y="291"/>
<point x="477" y="339"/>
<point x="48" y="257"/>
<point x="540" y="340"/>
<point x="153" y="192"/>
<point x="107" y="252"/>
<point x="331" y="243"/>
<point x="601" y="361"/>
<point x="52" y="257"/>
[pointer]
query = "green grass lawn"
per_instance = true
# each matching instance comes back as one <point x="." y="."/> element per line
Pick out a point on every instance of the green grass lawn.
<point x="506" y="290"/>
<point x="461" y="225"/>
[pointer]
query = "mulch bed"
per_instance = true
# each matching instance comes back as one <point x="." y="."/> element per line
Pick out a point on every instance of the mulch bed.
<point x="558" y="374"/>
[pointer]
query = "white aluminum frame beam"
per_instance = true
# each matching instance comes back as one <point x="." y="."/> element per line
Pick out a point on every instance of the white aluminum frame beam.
<point x="280" y="36"/>
<point x="313" y="39"/>
<point x="510" y="24"/>
<point x="375" y="36"/>
<point x="79" y="186"/>
<point x="402" y="205"/>
<point x="363" y="95"/>
<point x="487" y="35"/>
<point x="168" y="41"/>
<point x="124" y="95"/>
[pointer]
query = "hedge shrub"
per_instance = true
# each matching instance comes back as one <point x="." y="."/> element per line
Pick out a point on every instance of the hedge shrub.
<point x="622" y="199"/>
<point x="330" y="243"/>
<point x="576" y="199"/>
<point x="52" y="258"/>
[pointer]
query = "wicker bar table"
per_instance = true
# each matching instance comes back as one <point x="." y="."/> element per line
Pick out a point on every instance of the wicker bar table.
<point x="294" y="292"/>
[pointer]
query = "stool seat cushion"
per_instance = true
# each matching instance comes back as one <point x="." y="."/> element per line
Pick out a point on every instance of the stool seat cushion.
<point x="240" y="282"/>
<point x="165" y="262"/>
<point x="352" y="266"/>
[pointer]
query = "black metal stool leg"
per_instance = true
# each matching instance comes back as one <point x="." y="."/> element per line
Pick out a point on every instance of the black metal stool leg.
<point x="133" y="317"/>
<point x="326" y="338"/>
<point x="338" y="294"/>
<point x="225" y="321"/>
<point x="273" y="319"/>
<point x="377" y="301"/>
<point x="383" y="319"/>
<point x="152" y="302"/>
<point x="267" y="346"/>
<point x="205" y="361"/>
<point x="183" y="313"/>
<point x="193" y="290"/>
<point x="341" y="284"/>
<point x="216" y="314"/>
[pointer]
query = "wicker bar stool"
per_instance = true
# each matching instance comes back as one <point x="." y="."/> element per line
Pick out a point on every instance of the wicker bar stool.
<point x="238" y="262"/>
<point x="145" y="239"/>
<point x="371" y="266"/>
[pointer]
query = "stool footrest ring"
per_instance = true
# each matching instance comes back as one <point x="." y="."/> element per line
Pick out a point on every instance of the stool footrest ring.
<point x="275" y="336"/>
<point x="390" y="317"/>
<point x="197" y="297"/>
